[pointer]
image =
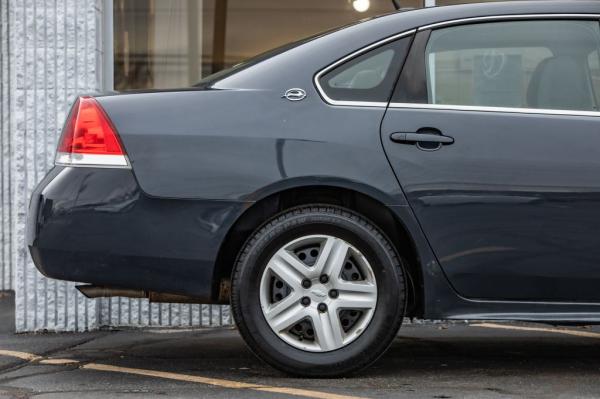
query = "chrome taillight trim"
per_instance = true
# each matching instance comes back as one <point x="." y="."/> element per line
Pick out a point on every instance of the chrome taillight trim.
<point x="92" y="160"/>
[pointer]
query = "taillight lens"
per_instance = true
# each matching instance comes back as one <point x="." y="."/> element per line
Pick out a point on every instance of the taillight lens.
<point x="89" y="138"/>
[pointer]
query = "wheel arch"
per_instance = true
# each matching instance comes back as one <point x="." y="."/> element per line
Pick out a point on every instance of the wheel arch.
<point x="368" y="205"/>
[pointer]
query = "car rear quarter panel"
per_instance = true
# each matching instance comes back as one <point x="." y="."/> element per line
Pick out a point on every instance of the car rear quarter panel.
<point x="241" y="145"/>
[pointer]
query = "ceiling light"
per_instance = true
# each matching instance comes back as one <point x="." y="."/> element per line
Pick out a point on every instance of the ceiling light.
<point x="361" y="5"/>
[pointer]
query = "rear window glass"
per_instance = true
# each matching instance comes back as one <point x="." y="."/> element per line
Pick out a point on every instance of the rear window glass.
<point x="369" y="77"/>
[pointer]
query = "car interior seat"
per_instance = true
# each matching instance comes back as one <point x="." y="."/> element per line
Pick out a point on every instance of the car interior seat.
<point x="561" y="82"/>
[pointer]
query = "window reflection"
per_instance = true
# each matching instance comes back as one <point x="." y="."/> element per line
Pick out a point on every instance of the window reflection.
<point x="174" y="43"/>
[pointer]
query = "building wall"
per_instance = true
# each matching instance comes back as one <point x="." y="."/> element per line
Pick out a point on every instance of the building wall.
<point x="6" y="269"/>
<point x="51" y="51"/>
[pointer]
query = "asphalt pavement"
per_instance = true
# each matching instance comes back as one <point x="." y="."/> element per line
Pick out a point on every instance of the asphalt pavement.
<point x="440" y="361"/>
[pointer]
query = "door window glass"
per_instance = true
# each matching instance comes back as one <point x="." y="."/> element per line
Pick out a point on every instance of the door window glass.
<point x="525" y="64"/>
<point x="594" y="65"/>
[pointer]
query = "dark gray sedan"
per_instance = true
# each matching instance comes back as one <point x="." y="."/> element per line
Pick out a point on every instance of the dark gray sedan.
<point x="438" y="164"/>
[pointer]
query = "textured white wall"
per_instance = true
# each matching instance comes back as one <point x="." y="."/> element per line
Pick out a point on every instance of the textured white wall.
<point x="6" y="274"/>
<point x="52" y="51"/>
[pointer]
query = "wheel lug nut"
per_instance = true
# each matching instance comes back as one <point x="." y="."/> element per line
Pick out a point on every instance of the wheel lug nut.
<point x="323" y="279"/>
<point x="334" y="294"/>
<point x="306" y="283"/>
<point x="322" y="308"/>
<point x="305" y="301"/>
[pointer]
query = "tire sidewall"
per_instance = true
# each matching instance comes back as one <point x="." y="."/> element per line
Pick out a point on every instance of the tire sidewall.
<point x="388" y="275"/>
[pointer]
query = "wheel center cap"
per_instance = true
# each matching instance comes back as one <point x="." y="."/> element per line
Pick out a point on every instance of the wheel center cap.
<point x="318" y="292"/>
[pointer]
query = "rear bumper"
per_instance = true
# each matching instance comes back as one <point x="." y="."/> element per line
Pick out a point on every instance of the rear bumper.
<point x="96" y="226"/>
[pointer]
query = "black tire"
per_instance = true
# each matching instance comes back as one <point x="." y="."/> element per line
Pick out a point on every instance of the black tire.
<point x="363" y="235"/>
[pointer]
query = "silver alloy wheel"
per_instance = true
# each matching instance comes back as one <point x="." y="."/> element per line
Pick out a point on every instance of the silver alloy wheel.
<point x="318" y="293"/>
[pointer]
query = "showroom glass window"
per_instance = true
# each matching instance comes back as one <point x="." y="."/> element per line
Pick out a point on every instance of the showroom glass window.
<point x="175" y="43"/>
<point x="537" y="64"/>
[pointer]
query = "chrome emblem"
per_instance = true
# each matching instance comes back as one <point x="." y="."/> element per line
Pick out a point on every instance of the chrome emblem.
<point x="318" y="293"/>
<point x="295" y="95"/>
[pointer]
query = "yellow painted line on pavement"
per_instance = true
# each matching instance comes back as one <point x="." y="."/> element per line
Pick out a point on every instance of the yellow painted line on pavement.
<point x="305" y="393"/>
<point x="59" y="362"/>
<point x="171" y="376"/>
<point x="221" y="383"/>
<point x="218" y="382"/>
<point x="30" y="357"/>
<point x="576" y="333"/>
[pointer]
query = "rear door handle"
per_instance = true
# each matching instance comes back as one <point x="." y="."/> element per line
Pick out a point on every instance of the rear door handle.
<point x="412" y="138"/>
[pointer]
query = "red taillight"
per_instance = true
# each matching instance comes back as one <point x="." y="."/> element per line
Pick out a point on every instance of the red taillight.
<point x="89" y="139"/>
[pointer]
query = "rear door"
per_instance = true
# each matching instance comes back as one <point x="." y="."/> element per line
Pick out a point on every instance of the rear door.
<point x="494" y="134"/>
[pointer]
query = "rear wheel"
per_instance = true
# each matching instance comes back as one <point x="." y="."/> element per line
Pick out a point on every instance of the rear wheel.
<point x="318" y="291"/>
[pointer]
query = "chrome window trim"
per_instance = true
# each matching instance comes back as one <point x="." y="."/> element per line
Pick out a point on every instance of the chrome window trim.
<point x="461" y="21"/>
<point x="464" y="21"/>
<point x="347" y="58"/>
<point x="534" y="111"/>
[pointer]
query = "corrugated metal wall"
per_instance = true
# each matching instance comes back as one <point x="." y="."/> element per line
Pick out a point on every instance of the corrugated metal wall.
<point x="51" y="52"/>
